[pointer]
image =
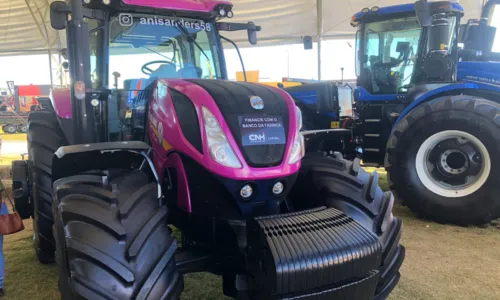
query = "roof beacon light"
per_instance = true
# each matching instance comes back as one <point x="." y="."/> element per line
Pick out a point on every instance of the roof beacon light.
<point x="365" y="10"/>
<point x="375" y="8"/>
<point x="230" y="14"/>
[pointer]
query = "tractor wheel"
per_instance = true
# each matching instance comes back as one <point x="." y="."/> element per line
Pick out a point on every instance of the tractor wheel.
<point x="344" y="185"/>
<point x="10" y="128"/>
<point x="112" y="238"/>
<point x="44" y="138"/>
<point x="22" y="128"/>
<point x="443" y="159"/>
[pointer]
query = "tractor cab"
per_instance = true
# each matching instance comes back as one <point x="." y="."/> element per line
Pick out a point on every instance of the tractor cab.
<point x="127" y="47"/>
<point x="394" y="50"/>
<point x="397" y="59"/>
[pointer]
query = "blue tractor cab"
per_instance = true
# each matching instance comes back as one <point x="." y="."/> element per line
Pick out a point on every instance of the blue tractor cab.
<point x="427" y="107"/>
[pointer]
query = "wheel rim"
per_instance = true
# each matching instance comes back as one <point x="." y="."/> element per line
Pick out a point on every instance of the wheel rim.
<point x="11" y="129"/>
<point x="453" y="163"/>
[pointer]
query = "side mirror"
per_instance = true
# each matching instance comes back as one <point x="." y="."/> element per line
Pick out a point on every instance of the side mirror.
<point x="250" y="27"/>
<point x="252" y="33"/>
<point x="59" y="14"/>
<point x="423" y="13"/>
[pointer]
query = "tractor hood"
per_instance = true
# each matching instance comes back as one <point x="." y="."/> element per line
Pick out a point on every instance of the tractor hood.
<point x="257" y="116"/>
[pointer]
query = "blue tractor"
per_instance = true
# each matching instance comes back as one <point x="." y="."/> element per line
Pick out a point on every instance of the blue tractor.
<point x="426" y="106"/>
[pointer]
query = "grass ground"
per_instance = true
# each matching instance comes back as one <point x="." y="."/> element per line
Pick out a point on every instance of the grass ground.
<point x="442" y="262"/>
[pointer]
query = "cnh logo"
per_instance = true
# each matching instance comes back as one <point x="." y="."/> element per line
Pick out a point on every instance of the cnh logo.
<point x="257" y="137"/>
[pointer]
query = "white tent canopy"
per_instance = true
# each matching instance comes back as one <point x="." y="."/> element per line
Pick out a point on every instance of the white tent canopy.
<point x="287" y="21"/>
<point x="25" y="25"/>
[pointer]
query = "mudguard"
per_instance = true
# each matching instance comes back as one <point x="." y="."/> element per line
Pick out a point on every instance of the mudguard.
<point x="429" y="95"/>
<point x="77" y="159"/>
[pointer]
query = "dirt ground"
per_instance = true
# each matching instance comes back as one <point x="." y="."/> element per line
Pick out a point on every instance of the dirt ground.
<point x="442" y="262"/>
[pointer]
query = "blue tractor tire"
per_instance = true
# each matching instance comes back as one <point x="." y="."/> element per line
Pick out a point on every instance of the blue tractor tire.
<point x="443" y="160"/>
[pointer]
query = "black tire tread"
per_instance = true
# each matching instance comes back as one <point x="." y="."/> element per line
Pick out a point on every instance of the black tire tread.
<point x="477" y="108"/>
<point x="133" y="252"/>
<point x="348" y="187"/>
<point x="44" y="138"/>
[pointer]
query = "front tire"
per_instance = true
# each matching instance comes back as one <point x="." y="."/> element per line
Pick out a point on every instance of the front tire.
<point x="44" y="138"/>
<point x="112" y="238"/>
<point x="22" y="128"/>
<point x="10" y="129"/>
<point x="443" y="160"/>
<point x="344" y="185"/>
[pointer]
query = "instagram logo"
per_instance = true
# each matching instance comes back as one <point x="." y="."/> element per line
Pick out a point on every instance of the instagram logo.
<point x="126" y="20"/>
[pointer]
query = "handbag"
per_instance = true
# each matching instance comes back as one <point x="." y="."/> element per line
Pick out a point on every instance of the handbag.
<point x="11" y="223"/>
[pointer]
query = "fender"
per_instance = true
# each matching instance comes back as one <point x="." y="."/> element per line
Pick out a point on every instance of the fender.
<point x="75" y="159"/>
<point x="433" y="94"/>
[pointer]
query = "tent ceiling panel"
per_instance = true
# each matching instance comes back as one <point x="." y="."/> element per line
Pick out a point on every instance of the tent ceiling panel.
<point x="337" y="14"/>
<point x="25" y="25"/>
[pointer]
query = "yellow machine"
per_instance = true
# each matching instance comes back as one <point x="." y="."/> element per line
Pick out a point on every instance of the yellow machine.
<point x="253" y="76"/>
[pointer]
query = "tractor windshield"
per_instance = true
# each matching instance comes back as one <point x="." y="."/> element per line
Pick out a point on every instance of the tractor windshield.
<point x="387" y="54"/>
<point x="147" y="46"/>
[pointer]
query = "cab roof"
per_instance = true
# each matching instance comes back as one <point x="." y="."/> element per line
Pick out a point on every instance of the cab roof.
<point x="205" y="6"/>
<point x="383" y="13"/>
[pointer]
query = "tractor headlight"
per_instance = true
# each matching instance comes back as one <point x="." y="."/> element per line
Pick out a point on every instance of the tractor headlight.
<point x="218" y="145"/>
<point x="299" y="117"/>
<point x="297" y="149"/>
<point x="298" y="143"/>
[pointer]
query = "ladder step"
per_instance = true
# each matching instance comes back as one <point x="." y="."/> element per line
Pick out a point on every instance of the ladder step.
<point x="372" y="150"/>
<point x="372" y="120"/>
<point x="372" y="135"/>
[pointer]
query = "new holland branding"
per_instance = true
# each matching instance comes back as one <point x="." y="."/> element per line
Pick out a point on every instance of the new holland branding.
<point x="256" y="102"/>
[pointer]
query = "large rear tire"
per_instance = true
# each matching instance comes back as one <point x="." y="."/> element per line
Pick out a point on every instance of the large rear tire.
<point x="44" y="138"/>
<point x="112" y="238"/>
<point x="443" y="160"/>
<point x="344" y="185"/>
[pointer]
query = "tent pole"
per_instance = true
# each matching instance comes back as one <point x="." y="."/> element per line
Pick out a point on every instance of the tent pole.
<point x="50" y="70"/>
<point x="319" y="23"/>
<point x="60" y="68"/>
<point x="319" y="57"/>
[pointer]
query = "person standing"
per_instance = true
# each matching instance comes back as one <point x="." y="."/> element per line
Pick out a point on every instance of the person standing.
<point x="3" y="211"/>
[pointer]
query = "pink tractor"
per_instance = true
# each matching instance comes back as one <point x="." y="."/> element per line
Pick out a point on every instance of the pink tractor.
<point x="151" y="135"/>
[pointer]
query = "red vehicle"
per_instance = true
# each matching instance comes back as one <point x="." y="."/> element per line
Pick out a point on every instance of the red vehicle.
<point x="14" y="109"/>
